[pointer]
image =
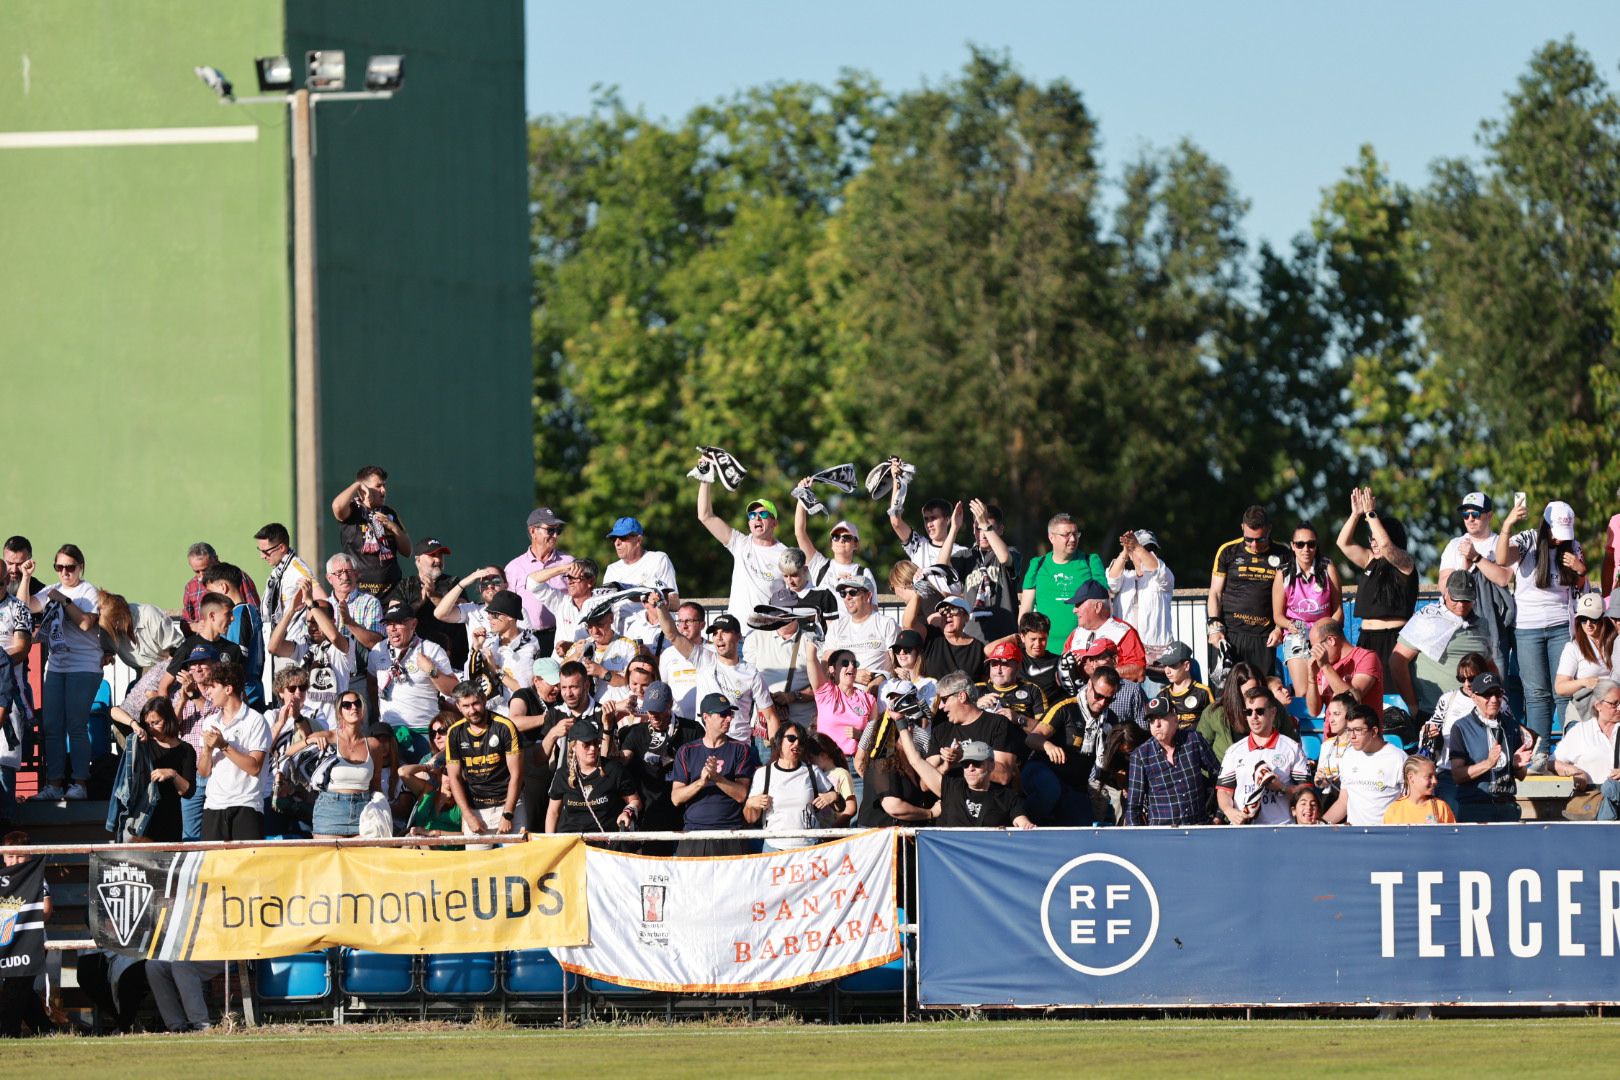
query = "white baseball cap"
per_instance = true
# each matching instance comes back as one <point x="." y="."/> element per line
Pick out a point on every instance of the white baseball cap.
<point x="1561" y="517"/>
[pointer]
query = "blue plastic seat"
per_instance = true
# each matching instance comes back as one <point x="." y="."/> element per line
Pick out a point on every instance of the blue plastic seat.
<point x="1312" y="745"/>
<point x="536" y="973"/>
<point x="459" y="975"/>
<point x="1395" y="740"/>
<point x="613" y="989"/>
<point x="304" y="977"/>
<point x="374" y="974"/>
<point x="886" y="979"/>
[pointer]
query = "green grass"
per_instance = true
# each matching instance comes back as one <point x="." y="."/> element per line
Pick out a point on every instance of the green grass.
<point x="1198" y="1049"/>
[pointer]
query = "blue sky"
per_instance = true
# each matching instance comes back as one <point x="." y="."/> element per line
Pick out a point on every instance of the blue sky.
<point x="1281" y="93"/>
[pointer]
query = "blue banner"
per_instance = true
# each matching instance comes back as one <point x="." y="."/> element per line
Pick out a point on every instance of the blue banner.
<point x="1479" y="914"/>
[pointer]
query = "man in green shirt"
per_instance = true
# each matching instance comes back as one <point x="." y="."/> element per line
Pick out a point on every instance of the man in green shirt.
<point x="1054" y="577"/>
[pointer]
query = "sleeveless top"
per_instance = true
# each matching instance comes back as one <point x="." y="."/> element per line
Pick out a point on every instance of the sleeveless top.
<point x="1307" y="599"/>
<point x="1385" y="592"/>
<point x="350" y="775"/>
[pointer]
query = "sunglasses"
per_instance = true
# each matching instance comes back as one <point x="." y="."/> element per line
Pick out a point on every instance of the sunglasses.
<point x="1469" y="515"/>
<point x="349" y="703"/>
<point x="846" y="663"/>
<point x="1303" y="544"/>
<point x="1003" y="663"/>
<point x="975" y="764"/>
<point x="843" y="538"/>
<point x="790" y="739"/>
<point x="267" y="551"/>
<point x="552" y="530"/>
<point x="437" y="733"/>
<point x="65" y="568"/>
<point x="1261" y="711"/>
<point x="755" y="515"/>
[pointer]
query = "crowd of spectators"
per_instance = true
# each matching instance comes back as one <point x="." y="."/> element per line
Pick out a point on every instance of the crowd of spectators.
<point x="557" y="693"/>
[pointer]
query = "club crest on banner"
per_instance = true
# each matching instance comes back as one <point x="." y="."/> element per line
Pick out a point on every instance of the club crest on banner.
<point x="124" y="893"/>
<point x="10" y="909"/>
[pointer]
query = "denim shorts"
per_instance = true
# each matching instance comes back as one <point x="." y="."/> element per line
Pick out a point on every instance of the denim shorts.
<point x="337" y="813"/>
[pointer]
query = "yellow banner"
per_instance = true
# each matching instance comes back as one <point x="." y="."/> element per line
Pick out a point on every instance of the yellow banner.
<point x="253" y="903"/>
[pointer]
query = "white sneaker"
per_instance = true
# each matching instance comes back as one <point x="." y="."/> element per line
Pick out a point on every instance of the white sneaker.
<point x="49" y="793"/>
<point x="77" y="792"/>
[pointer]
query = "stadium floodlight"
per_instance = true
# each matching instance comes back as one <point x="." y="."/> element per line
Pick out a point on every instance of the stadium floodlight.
<point x="275" y="74"/>
<point x="385" y="73"/>
<point x="216" y="81"/>
<point x="323" y="70"/>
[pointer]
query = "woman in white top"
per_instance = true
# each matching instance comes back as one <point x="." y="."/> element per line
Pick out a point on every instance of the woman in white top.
<point x="352" y="777"/>
<point x="789" y="793"/>
<point x="72" y="674"/>
<point x="141" y="634"/>
<point x="1590" y="654"/>
<point x="1549" y="572"/>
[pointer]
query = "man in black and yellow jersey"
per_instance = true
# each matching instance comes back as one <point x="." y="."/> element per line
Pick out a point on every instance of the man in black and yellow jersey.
<point x="484" y="762"/>
<point x="1240" y="594"/>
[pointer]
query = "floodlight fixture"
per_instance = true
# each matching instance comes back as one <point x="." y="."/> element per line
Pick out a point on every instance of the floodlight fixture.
<point x="275" y="74"/>
<point x="323" y="70"/>
<point x="216" y="81"/>
<point x="385" y="74"/>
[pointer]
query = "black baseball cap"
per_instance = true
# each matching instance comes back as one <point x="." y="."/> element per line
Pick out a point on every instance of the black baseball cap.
<point x="717" y="703"/>
<point x="725" y="621"/>
<point x="907" y="639"/>
<point x="585" y="731"/>
<point x="433" y="546"/>
<point x="398" y="611"/>
<point x="1487" y="683"/>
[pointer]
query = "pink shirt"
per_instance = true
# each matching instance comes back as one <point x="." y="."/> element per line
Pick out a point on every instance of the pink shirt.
<point x="1358" y="661"/>
<point x="843" y="716"/>
<point x="517" y="579"/>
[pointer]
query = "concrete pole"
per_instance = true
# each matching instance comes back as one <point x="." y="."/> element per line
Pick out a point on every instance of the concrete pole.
<point x="306" y="337"/>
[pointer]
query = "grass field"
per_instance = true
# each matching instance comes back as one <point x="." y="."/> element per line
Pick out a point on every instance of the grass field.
<point x="1047" y="1048"/>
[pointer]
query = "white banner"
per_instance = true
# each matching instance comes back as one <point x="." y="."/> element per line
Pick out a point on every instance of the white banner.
<point x="740" y="924"/>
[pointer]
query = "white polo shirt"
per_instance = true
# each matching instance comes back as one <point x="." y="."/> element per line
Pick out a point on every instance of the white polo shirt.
<point x="406" y="696"/>
<point x="1588" y="749"/>
<point x="228" y="785"/>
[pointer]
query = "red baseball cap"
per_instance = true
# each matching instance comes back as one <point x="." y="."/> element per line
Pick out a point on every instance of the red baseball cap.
<point x="1004" y="650"/>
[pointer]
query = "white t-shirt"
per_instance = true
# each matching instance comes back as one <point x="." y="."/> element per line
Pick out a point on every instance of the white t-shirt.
<point x="406" y="696"/>
<point x="792" y="792"/>
<point x="228" y="785"/>
<point x="1572" y="665"/>
<point x="1287" y="762"/>
<point x="925" y="553"/>
<point x="615" y="657"/>
<point x="756" y="571"/>
<point x="72" y="649"/>
<point x="1371" y="782"/>
<point x="823" y="573"/>
<point x="740" y="682"/>
<point x="869" y="640"/>
<point x="772" y="653"/>
<point x="653" y="570"/>
<point x="563" y="609"/>
<point x="1143" y="601"/>
<point x="331" y="669"/>
<point x="682" y="676"/>
<point x="515" y="659"/>
<point x="1539" y="608"/>
<point x="1588" y="749"/>
<point x="1452" y="557"/>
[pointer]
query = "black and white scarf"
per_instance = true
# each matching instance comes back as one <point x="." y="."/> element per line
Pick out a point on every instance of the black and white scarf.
<point x="841" y="477"/>
<point x="714" y="464"/>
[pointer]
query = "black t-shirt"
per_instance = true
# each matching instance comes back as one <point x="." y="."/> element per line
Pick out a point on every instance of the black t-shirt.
<point x="227" y="649"/>
<point x="1068" y="725"/>
<point x="1023" y="697"/>
<point x="883" y="780"/>
<point x="451" y="637"/>
<point x="1042" y="671"/>
<point x="992" y="588"/>
<point x="482" y="757"/>
<point x="602" y="794"/>
<point x="166" y="824"/>
<point x="940" y="657"/>
<point x="376" y="561"/>
<point x="1246" y="596"/>
<point x="651" y="759"/>
<point x="963" y="808"/>
<point x="988" y="728"/>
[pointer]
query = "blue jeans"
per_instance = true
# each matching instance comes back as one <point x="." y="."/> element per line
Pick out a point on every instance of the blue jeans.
<point x="64" y="722"/>
<point x="191" y="810"/>
<point x="1538" y="658"/>
<point x="1609" y="809"/>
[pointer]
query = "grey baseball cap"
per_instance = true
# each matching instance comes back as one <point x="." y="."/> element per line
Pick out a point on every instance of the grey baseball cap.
<point x="974" y="750"/>
<point x="659" y="698"/>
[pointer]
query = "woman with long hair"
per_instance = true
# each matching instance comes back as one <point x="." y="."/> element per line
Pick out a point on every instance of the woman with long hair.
<point x="173" y="768"/>
<point x="1223" y="723"/>
<point x="353" y="776"/>
<point x="1305" y="593"/>
<point x="1549" y="572"/>
<point x="789" y="792"/>
<point x="892" y="793"/>
<point x="141" y="634"/>
<point x="592" y="795"/>
<point x="825" y="755"/>
<point x="843" y="708"/>
<point x="72" y="674"/>
<point x="1589" y="656"/>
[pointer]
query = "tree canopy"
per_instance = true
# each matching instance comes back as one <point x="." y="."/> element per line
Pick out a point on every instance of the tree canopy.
<point x="807" y="275"/>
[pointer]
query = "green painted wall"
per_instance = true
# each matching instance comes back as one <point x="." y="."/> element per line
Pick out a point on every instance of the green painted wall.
<point x="423" y="267"/>
<point x="144" y="325"/>
<point x="145" y="292"/>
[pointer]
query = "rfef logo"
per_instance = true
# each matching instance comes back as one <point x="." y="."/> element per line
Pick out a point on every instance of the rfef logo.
<point x="1099" y="914"/>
